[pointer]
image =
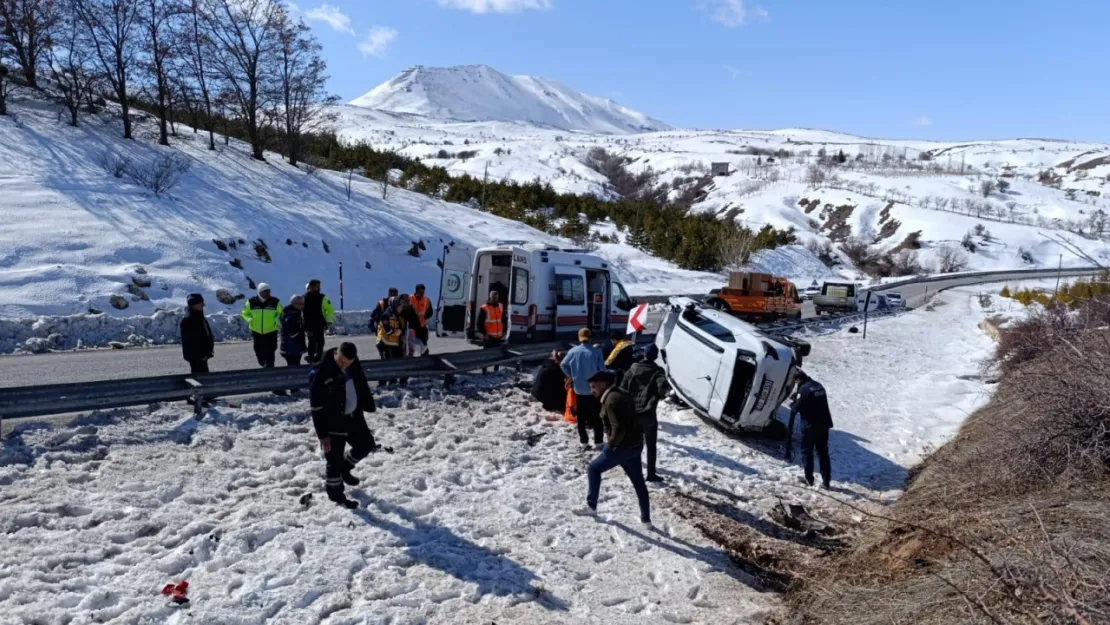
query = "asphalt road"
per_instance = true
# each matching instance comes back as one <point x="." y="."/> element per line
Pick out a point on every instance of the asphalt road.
<point x="85" y="366"/>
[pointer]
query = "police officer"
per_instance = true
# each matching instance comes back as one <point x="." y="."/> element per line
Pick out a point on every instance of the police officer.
<point x="813" y="406"/>
<point x="262" y="314"/>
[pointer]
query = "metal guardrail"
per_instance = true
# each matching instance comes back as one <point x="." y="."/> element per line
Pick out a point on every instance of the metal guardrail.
<point x="35" y="401"/>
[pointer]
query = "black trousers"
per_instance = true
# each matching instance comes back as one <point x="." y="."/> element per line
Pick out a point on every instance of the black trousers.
<point x="816" y="438"/>
<point x="650" y="426"/>
<point x="291" y="361"/>
<point x="422" y="334"/>
<point x="489" y="343"/>
<point x="589" y="416"/>
<point x="198" y="366"/>
<point x="265" y="347"/>
<point x="315" y="345"/>
<point x="341" y="460"/>
<point x="391" y="352"/>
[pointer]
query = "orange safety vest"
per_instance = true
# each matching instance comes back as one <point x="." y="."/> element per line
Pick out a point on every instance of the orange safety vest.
<point x="420" y="306"/>
<point x="495" y="329"/>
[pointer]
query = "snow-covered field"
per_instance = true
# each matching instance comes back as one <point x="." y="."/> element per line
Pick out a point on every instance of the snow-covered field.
<point x="468" y="522"/>
<point x="72" y="235"/>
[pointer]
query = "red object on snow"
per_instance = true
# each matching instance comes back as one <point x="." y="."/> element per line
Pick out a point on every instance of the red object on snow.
<point x="167" y="589"/>
<point x="177" y="591"/>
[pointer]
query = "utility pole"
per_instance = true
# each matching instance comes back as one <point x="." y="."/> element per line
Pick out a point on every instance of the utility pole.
<point x="866" y="307"/>
<point x="340" y="286"/>
<point x="1059" y="270"/>
<point x="485" y="179"/>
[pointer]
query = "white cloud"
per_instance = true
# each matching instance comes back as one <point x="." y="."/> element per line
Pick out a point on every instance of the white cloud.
<point x="734" y="72"/>
<point x="377" y="40"/>
<point x="496" y="6"/>
<point x="337" y="19"/>
<point x="922" y="121"/>
<point x="731" y="13"/>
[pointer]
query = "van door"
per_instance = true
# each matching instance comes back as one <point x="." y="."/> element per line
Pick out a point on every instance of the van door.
<point x="454" y="290"/>
<point x="692" y="362"/>
<point x="570" y="300"/>
<point x="722" y="383"/>
<point x="523" y="313"/>
<point x="620" y="307"/>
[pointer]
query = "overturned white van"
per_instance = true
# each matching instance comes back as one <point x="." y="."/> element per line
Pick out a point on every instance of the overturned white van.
<point x="551" y="292"/>
<point x="725" y="369"/>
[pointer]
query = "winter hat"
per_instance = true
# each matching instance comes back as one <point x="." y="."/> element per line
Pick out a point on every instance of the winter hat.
<point x="194" y="299"/>
<point x="263" y="287"/>
<point x="651" y="353"/>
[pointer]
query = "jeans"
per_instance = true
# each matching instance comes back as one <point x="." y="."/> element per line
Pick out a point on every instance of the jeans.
<point x="816" y="437"/>
<point x="627" y="458"/>
<point x="589" y="415"/>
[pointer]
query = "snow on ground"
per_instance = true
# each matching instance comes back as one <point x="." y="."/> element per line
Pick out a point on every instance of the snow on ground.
<point x="72" y="235"/>
<point x="468" y="522"/>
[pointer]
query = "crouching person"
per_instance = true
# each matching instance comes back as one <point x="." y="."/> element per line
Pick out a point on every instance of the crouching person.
<point x="340" y="397"/>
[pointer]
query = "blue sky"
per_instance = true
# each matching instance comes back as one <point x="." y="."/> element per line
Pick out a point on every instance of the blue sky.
<point x="932" y="69"/>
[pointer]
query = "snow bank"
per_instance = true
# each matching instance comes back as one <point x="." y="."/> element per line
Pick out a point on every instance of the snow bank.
<point x="40" y="334"/>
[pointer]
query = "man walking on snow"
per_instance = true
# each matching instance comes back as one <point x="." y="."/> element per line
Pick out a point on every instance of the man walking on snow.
<point x="340" y="397"/>
<point x="197" y="343"/>
<point x="647" y="384"/>
<point x="813" y="405"/>
<point x="580" y="364"/>
<point x="624" y="448"/>
<point x="262" y="314"/>
<point x="422" y="308"/>
<point x="319" y="314"/>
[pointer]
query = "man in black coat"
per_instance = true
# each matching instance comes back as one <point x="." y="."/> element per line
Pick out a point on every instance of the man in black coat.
<point x="197" y="343"/>
<point x="813" y="405"/>
<point x="340" y="397"/>
<point x="647" y="383"/>
<point x="319" y="314"/>
<point x="549" y="385"/>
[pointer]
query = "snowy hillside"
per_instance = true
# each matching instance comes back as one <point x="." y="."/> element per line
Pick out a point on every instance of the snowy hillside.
<point x="932" y="188"/>
<point x="75" y="237"/>
<point x="481" y="93"/>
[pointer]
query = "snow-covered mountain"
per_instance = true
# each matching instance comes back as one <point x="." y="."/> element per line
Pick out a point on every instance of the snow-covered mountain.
<point x="481" y="93"/>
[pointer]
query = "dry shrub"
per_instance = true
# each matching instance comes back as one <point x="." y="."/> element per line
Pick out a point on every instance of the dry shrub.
<point x="1010" y="522"/>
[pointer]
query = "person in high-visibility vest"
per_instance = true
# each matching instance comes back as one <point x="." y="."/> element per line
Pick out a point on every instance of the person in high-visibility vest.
<point x="422" y="307"/>
<point x="391" y="332"/>
<point x="262" y="313"/>
<point x="493" y="321"/>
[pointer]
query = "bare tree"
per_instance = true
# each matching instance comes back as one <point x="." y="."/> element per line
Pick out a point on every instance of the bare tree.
<point x="734" y="247"/>
<point x="388" y="157"/>
<point x="246" y="34"/>
<point x="815" y="176"/>
<point x="159" y="22"/>
<point x="950" y="259"/>
<point x="112" y="30"/>
<point x="68" y="55"/>
<point x="3" y="89"/>
<point x="195" y="47"/>
<point x="302" y="80"/>
<point x="986" y="187"/>
<point x="25" y="28"/>
<point x="349" y="183"/>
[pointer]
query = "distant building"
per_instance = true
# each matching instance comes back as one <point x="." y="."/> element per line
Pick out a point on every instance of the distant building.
<point x="720" y="169"/>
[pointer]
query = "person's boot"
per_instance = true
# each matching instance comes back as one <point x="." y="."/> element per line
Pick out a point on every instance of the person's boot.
<point x="338" y="497"/>
<point x="654" y="478"/>
<point x="350" y="480"/>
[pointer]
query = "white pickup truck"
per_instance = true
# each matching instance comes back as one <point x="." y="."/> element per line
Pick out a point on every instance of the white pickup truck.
<point x="725" y="369"/>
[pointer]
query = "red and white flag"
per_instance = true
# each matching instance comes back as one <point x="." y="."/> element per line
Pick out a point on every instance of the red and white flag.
<point x="637" y="321"/>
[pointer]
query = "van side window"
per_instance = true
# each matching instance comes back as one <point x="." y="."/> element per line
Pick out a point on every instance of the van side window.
<point x="710" y="327"/>
<point x="570" y="290"/>
<point x="520" y="286"/>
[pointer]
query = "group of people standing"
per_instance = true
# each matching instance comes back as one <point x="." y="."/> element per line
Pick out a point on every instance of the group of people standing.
<point x="296" y="331"/>
<point x="615" y="397"/>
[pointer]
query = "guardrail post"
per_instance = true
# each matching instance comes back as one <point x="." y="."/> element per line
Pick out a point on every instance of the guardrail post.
<point x="198" y="397"/>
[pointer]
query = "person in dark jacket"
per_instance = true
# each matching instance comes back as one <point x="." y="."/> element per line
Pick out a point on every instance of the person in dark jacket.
<point x="197" y="344"/>
<point x="623" y="449"/>
<point x="384" y="306"/>
<point x="813" y="406"/>
<point x="319" y="314"/>
<point x="293" y="331"/>
<point x="622" y="356"/>
<point x="340" y="398"/>
<point x="549" y="386"/>
<point x="647" y="384"/>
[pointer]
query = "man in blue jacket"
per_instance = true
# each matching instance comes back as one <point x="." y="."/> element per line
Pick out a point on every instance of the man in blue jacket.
<point x="813" y="405"/>
<point x="580" y="364"/>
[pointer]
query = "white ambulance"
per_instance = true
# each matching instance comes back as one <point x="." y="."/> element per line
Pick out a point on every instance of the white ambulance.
<point x="551" y="292"/>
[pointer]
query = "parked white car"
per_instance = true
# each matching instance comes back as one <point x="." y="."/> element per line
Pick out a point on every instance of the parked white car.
<point x="810" y="291"/>
<point x="725" y="369"/>
<point x="894" y="300"/>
